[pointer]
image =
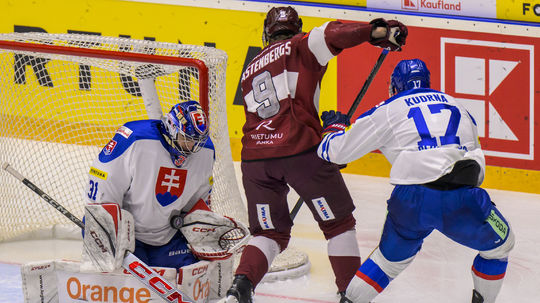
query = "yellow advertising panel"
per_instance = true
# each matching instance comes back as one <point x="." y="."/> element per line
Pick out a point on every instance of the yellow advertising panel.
<point x="237" y="30"/>
<point x="521" y="10"/>
<point x="338" y="2"/>
<point x="223" y="29"/>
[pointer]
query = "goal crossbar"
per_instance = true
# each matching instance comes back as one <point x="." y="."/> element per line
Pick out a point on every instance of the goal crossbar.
<point x="115" y="55"/>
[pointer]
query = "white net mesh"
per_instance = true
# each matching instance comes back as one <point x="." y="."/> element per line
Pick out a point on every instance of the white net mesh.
<point x="63" y="96"/>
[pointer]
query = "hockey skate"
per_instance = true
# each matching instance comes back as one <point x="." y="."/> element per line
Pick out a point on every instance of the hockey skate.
<point x="343" y="298"/>
<point x="241" y="291"/>
<point x="477" y="297"/>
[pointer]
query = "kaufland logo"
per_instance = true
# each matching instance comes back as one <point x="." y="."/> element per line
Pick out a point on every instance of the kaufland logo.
<point x="409" y="4"/>
<point x="495" y="82"/>
<point x="430" y="4"/>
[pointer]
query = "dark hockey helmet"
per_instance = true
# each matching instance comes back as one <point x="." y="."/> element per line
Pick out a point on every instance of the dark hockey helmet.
<point x="186" y="127"/>
<point x="409" y="74"/>
<point x="281" y="20"/>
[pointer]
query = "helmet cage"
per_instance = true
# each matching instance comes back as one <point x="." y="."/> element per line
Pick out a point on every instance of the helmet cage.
<point x="186" y="126"/>
<point x="409" y="74"/>
<point x="281" y="20"/>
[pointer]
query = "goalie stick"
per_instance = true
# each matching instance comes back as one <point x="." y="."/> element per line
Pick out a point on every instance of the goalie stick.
<point x="351" y="111"/>
<point x="131" y="263"/>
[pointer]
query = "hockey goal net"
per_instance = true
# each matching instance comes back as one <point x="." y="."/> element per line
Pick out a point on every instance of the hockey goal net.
<point x="62" y="97"/>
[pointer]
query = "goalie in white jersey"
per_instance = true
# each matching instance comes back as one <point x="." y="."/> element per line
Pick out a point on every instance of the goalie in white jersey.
<point x="154" y="177"/>
<point x="437" y="165"/>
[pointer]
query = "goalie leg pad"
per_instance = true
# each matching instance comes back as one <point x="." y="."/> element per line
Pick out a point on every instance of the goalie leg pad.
<point x="221" y="278"/>
<point x="109" y="233"/>
<point x="194" y="281"/>
<point x="61" y="281"/>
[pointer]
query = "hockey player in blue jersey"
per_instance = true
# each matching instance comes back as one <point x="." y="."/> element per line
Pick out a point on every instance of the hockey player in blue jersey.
<point x="150" y="188"/>
<point x="437" y="165"/>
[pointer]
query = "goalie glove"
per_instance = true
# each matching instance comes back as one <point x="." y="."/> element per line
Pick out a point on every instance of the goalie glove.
<point x="108" y="233"/>
<point x="212" y="236"/>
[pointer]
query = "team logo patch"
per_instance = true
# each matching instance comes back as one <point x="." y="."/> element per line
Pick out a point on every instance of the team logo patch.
<point x="199" y="121"/>
<point x="263" y="213"/>
<point x="323" y="209"/>
<point x="170" y="185"/>
<point x="108" y="149"/>
<point x="124" y="131"/>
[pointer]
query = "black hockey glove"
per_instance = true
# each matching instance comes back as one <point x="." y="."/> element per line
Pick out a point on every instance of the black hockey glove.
<point x="396" y="34"/>
<point x="334" y="121"/>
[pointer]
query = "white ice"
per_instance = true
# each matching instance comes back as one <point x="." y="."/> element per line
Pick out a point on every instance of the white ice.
<point x="440" y="272"/>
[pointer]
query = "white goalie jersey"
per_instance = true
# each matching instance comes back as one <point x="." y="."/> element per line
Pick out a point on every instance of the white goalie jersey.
<point x="135" y="170"/>
<point x="407" y="130"/>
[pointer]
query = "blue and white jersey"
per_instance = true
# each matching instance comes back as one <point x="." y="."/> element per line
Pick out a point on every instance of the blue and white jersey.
<point x="422" y="132"/>
<point x="135" y="170"/>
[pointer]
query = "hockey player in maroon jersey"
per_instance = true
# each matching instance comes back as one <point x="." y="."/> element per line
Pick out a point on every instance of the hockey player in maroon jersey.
<point x="280" y="87"/>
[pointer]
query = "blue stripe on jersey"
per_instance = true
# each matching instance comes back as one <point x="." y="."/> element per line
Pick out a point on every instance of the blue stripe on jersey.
<point x="326" y="142"/>
<point x="472" y="118"/>
<point x="209" y="144"/>
<point x="324" y="146"/>
<point x="396" y="96"/>
<point x="141" y="129"/>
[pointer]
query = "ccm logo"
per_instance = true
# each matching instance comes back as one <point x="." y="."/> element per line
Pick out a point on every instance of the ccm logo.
<point x="203" y="230"/>
<point x="157" y="283"/>
<point x="199" y="270"/>
<point x="98" y="241"/>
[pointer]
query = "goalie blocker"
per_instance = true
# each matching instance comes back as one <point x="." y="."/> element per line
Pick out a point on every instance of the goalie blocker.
<point x="109" y="232"/>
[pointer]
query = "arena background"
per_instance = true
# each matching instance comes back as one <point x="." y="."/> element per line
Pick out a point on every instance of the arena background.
<point x="483" y="52"/>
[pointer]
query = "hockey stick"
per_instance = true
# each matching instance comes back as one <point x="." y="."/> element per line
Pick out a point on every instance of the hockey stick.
<point x="351" y="111"/>
<point x="131" y="263"/>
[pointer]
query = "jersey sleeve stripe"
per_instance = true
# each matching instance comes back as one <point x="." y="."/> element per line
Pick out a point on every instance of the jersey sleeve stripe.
<point x="325" y="153"/>
<point x="317" y="45"/>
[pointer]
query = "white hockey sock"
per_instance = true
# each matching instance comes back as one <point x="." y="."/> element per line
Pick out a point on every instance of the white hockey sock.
<point x="489" y="289"/>
<point x="488" y="276"/>
<point x="359" y="291"/>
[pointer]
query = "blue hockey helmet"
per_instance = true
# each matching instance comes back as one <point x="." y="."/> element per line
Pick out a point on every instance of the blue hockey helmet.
<point x="409" y="74"/>
<point x="186" y="127"/>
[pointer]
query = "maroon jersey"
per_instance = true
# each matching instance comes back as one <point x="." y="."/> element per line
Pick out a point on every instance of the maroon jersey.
<point x="281" y="88"/>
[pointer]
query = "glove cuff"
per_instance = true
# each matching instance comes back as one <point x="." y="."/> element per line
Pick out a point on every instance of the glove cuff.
<point x="334" y="128"/>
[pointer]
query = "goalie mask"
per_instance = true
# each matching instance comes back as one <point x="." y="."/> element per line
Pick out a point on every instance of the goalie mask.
<point x="409" y="74"/>
<point x="186" y="129"/>
<point x="281" y="21"/>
